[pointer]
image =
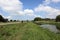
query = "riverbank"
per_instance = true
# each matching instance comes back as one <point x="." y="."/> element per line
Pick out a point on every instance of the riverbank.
<point x="49" y="22"/>
<point x="26" y="31"/>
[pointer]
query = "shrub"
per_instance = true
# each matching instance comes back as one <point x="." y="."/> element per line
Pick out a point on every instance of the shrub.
<point x="58" y="18"/>
<point x="37" y="19"/>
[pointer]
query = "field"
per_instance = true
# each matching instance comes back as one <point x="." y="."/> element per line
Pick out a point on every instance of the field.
<point x="26" y="31"/>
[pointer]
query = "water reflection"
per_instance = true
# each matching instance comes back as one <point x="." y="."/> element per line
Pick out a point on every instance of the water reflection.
<point x="50" y="27"/>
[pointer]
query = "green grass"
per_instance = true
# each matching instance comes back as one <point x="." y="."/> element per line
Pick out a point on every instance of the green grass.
<point x="26" y="31"/>
<point x="49" y="22"/>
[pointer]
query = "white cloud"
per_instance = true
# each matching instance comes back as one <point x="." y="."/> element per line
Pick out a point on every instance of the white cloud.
<point x="21" y="13"/>
<point x="29" y="12"/>
<point x="26" y="12"/>
<point x="45" y="8"/>
<point x="55" y="1"/>
<point x="10" y="5"/>
<point x="8" y="17"/>
<point x="46" y="2"/>
<point x="38" y="16"/>
<point x="15" y="7"/>
<point x="52" y="12"/>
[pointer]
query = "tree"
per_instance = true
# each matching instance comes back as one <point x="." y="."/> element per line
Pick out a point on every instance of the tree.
<point x="11" y="20"/>
<point x="47" y="19"/>
<point x="37" y="19"/>
<point x="1" y="18"/>
<point x="22" y="21"/>
<point x="58" y="18"/>
<point x="15" y="20"/>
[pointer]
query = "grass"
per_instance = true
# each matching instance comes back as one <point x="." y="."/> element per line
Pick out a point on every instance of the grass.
<point x="49" y="22"/>
<point x="26" y="31"/>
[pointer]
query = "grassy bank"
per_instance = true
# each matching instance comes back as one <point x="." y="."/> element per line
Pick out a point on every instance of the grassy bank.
<point x="49" y="22"/>
<point x="26" y="31"/>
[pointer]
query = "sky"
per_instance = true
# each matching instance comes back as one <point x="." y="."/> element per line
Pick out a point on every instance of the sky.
<point x="29" y="9"/>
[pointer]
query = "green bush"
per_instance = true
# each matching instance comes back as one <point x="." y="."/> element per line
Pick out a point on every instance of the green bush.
<point x="58" y="18"/>
<point x="37" y="19"/>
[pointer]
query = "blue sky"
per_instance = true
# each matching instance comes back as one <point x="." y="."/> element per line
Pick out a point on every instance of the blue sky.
<point x="55" y="5"/>
<point x="29" y="9"/>
<point x="31" y="3"/>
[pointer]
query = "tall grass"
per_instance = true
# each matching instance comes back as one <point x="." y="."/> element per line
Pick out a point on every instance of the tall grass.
<point x="26" y="31"/>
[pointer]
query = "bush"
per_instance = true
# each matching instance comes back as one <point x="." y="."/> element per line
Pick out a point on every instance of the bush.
<point x="11" y="20"/>
<point x="22" y="21"/>
<point x="37" y="19"/>
<point x="15" y="20"/>
<point x="58" y="18"/>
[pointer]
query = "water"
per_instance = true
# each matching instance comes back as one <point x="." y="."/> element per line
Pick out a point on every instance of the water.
<point x="50" y="27"/>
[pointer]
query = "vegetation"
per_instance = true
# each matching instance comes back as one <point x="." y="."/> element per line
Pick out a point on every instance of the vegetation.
<point x="26" y="31"/>
<point x="42" y="19"/>
<point x="37" y="19"/>
<point x="58" y="18"/>
<point x="49" y="22"/>
<point x="2" y="19"/>
<point x="11" y="20"/>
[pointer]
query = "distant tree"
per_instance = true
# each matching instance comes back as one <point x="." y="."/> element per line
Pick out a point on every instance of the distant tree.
<point x="22" y="21"/>
<point x="58" y="18"/>
<point x="15" y="20"/>
<point x="47" y="19"/>
<point x="37" y="19"/>
<point x="11" y="20"/>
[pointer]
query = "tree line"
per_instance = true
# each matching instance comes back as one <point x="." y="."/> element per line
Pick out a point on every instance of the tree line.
<point x="57" y="19"/>
<point x="2" y="19"/>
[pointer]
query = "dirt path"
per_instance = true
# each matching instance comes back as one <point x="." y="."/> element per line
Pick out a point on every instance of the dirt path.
<point x="9" y="23"/>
